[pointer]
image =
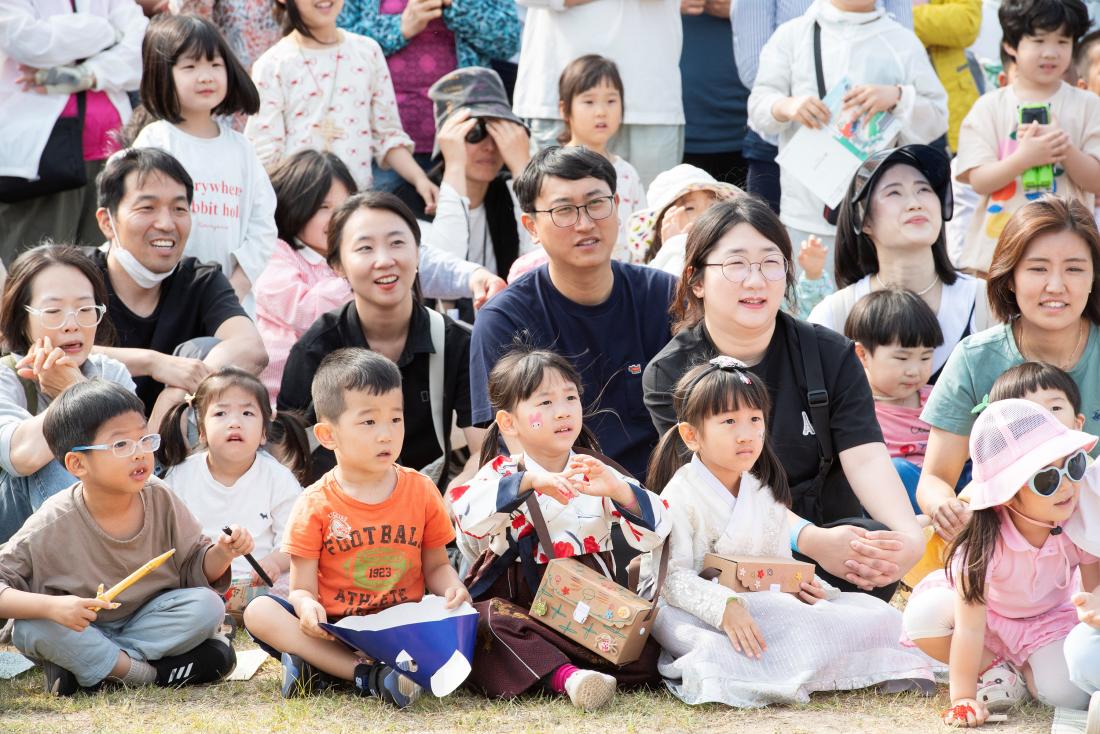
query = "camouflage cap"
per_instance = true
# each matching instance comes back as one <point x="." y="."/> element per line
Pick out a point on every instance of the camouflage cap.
<point x="474" y="88"/>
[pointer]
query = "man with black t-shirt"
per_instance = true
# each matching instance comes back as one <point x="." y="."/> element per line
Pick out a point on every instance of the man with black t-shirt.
<point x="608" y="318"/>
<point x="159" y="299"/>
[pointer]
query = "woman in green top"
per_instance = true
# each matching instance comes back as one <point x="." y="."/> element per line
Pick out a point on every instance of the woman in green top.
<point x="1041" y="283"/>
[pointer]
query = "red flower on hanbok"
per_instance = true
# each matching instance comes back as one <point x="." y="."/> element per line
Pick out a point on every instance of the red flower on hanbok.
<point x="564" y="549"/>
<point x="590" y="545"/>
<point x="518" y="521"/>
<point x="457" y="492"/>
<point x="543" y="558"/>
<point x="665" y="503"/>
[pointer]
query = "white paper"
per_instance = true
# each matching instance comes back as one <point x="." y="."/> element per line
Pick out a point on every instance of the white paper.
<point x="775" y="587"/>
<point x="248" y="662"/>
<point x="429" y="609"/>
<point x="826" y="159"/>
<point x="580" y="612"/>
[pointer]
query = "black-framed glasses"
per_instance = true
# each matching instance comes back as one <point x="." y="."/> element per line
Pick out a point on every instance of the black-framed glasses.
<point x="737" y="269"/>
<point x="1046" y="481"/>
<point x="126" y="447"/>
<point x="567" y="215"/>
<point x="55" y="318"/>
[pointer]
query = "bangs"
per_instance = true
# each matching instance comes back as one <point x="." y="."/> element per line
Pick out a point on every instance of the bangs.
<point x="723" y="391"/>
<point x="201" y="42"/>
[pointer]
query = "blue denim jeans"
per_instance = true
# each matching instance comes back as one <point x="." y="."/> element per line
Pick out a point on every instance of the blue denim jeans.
<point x="168" y="624"/>
<point x="910" y="475"/>
<point x="21" y="496"/>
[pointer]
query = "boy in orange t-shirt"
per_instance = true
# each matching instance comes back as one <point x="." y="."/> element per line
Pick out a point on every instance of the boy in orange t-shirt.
<point x="368" y="535"/>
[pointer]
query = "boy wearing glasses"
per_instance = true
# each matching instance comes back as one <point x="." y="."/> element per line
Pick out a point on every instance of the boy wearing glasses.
<point x="160" y="630"/>
<point x="608" y="317"/>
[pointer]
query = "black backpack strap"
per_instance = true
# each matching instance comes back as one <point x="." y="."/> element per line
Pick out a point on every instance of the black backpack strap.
<point x="817" y="62"/>
<point x="803" y="340"/>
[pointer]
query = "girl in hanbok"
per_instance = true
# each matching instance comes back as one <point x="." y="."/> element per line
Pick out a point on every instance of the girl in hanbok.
<point x="727" y="494"/>
<point x="537" y="398"/>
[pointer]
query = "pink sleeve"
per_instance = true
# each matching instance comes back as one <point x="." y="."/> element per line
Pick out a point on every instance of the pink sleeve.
<point x="284" y="293"/>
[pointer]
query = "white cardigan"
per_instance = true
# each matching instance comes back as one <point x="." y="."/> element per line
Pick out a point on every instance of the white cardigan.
<point x="46" y="33"/>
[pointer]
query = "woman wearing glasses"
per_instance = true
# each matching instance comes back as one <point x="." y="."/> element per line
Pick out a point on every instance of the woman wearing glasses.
<point x="1043" y="285"/>
<point x="737" y="274"/>
<point x="51" y="315"/>
<point x="890" y="234"/>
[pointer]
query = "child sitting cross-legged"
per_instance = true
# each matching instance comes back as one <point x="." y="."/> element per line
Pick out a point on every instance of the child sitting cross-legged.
<point x="118" y="516"/>
<point x="895" y="333"/>
<point x="368" y="535"/>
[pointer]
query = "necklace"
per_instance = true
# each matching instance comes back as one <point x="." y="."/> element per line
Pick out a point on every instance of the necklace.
<point x="930" y="286"/>
<point x="1081" y="329"/>
<point x="328" y="129"/>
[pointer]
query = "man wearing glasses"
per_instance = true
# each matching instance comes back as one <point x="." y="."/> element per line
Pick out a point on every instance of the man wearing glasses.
<point x="609" y="318"/>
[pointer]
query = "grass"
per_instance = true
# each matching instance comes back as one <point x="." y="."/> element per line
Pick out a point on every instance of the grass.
<point x="255" y="706"/>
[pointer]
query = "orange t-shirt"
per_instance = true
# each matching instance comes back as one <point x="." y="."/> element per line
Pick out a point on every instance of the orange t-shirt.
<point x="369" y="556"/>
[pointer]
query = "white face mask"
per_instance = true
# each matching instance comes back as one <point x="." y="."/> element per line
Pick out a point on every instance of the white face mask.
<point x="143" y="276"/>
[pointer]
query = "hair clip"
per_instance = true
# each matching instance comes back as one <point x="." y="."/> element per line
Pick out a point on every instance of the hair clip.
<point x="980" y="406"/>
<point x="729" y="364"/>
<point x="189" y="399"/>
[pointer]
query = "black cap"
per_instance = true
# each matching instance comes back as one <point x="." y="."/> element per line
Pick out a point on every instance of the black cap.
<point x="932" y="163"/>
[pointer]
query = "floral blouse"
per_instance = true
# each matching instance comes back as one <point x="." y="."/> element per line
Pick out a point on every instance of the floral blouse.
<point x="491" y="512"/>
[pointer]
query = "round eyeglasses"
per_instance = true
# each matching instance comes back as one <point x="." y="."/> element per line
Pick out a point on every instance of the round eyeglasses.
<point x="737" y="269"/>
<point x="55" y="318"/>
<point x="568" y="215"/>
<point x="126" y="447"/>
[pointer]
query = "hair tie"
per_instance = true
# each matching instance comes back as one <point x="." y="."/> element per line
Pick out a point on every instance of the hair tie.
<point x="729" y="364"/>
<point x="980" y="406"/>
<point x="189" y="399"/>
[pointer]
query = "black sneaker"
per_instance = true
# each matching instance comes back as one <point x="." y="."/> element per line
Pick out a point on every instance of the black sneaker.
<point x="379" y="680"/>
<point x="59" y="682"/>
<point x="211" y="661"/>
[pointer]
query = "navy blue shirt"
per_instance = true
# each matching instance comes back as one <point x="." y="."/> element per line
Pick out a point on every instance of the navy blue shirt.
<point x="610" y="344"/>
<point x="715" y="100"/>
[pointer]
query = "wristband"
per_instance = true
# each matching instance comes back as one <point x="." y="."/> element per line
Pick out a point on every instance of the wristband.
<point x="796" y="529"/>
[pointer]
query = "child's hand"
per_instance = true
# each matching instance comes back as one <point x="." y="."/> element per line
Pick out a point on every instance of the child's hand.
<point x="966" y="712"/>
<point x="310" y="616"/>
<point x="809" y="111"/>
<point x="428" y="191"/>
<point x="75" y="612"/>
<point x="812" y="255"/>
<point x="1038" y="145"/>
<point x="554" y="486"/>
<point x="812" y="592"/>
<point x="869" y="99"/>
<point x="271" y="567"/>
<point x="50" y="367"/>
<point x="1088" y="608"/>
<point x="949" y="518"/>
<point x="455" y="596"/>
<point x="739" y="626"/>
<point x="238" y="543"/>
<point x="598" y="480"/>
<point x="674" y="221"/>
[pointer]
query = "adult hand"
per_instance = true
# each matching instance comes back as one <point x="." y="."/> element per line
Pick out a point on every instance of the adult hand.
<point x="182" y="372"/>
<point x="75" y="612"/>
<point x="869" y="99"/>
<point x="310" y="616"/>
<point x="50" y="367"/>
<point x="883" y="556"/>
<point x="808" y="111"/>
<point x="452" y="138"/>
<point x="428" y="191"/>
<point x="739" y="626"/>
<point x="718" y="8"/>
<point x="67" y="79"/>
<point x="484" y="285"/>
<point x="417" y="14"/>
<point x="812" y="255"/>
<point x="1038" y="145"/>
<point x="692" y="7"/>
<point x="949" y="518"/>
<point x="851" y="553"/>
<point x="513" y="142"/>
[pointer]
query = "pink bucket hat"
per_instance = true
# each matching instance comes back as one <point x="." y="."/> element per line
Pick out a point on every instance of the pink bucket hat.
<point x="1010" y="441"/>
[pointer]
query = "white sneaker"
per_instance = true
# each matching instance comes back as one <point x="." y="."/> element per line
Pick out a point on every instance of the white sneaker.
<point x="1001" y="686"/>
<point x="1092" y="725"/>
<point x="590" y="690"/>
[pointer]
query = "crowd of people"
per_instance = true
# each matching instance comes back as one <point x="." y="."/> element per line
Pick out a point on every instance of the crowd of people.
<point x="355" y="287"/>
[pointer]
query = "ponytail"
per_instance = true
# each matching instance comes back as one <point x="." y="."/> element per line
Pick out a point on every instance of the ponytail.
<point x="288" y="439"/>
<point x="670" y="455"/>
<point x="174" y="448"/>
<point x="974" y="547"/>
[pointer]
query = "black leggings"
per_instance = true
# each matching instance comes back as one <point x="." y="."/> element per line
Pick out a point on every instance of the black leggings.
<point x="882" y="592"/>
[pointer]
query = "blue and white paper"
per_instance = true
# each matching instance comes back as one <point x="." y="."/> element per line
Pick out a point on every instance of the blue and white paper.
<point x="440" y="641"/>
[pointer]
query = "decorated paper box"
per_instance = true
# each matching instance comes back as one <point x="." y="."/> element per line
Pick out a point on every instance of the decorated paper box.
<point x="762" y="573"/>
<point x="593" y="611"/>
